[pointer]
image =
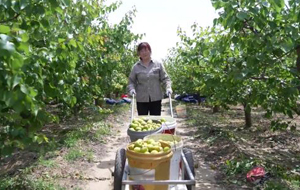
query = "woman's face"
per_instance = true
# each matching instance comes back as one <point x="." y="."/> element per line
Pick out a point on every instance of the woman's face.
<point x="144" y="53"/>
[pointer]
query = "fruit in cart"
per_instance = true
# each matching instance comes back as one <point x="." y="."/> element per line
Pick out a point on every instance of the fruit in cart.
<point x="137" y="149"/>
<point x="144" y="124"/>
<point x="163" y="120"/>
<point x="166" y="149"/>
<point x="171" y="143"/>
<point x="131" y="147"/>
<point x="148" y="146"/>
<point x="144" y="149"/>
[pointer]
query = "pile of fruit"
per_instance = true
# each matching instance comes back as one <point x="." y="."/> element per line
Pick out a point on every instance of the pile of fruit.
<point x="144" y="124"/>
<point x="171" y="143"/>
<point x="148" y="146"/>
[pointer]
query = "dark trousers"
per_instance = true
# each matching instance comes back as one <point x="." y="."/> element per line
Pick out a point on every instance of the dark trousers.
<point x="144" y="108"/>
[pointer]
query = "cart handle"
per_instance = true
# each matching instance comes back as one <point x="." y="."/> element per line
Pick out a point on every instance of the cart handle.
<point x="132" y="107"/>
<point x="171" y="105"/>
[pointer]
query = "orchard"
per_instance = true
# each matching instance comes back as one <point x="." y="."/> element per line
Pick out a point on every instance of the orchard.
<point x="60" y="60"/>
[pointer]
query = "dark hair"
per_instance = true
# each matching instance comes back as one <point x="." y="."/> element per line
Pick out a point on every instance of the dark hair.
<point x="143" y="45"/>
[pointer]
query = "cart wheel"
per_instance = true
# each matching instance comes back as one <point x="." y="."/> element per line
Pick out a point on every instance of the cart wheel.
<point x="190" y="160"/>
<point x="119" y="168"/>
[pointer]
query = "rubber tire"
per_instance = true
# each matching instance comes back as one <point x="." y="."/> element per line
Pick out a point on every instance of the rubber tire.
<point x="190" y="160"/>
<point x="119" y="168"/>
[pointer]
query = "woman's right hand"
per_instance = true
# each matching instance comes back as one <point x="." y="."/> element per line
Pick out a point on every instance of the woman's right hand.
<point x="132" y="92"/>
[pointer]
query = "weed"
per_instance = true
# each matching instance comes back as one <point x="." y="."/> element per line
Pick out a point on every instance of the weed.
<point x="90" y="156"/>
<point x="275" y="185"/>
<point x="74" y="154"/>
<point x="47" y="163"/>
<point x="25" y="182"/>
<point x="238" y="166"/>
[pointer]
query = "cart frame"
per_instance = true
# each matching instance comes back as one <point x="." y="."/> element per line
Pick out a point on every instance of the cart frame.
<point x="189" y="184"/>
<point x="186" y="168"/>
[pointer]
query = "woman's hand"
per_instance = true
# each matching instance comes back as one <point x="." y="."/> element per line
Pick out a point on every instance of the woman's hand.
<point x="132" y="92"/>
<point x="169" y="91"/>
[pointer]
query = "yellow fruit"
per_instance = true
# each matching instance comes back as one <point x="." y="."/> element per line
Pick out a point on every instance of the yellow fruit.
<point x="137" y="149"/>
<point x="144" y="149"/>
<point x="131" y="147"/>
<point x="166" y="149"/>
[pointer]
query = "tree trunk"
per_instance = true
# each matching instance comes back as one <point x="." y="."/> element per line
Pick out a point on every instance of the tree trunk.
<point x="248" y="119"/>
<point x="216" y="109"/>
<point x="298" y="59"/>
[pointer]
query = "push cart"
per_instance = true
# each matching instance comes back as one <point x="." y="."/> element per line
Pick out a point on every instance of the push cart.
<point x="122" y="171"/>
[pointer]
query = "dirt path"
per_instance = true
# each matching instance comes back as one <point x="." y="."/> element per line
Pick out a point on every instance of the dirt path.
<point x="104" y="168"/>
<point x="205" y="176"/>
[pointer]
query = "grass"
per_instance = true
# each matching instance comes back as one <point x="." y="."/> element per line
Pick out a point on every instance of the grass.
<point x="49" y="163"/>
<point x="74" y="154"/>
<point x="235" y="150"/>
<point x="25" y="183"/>
<point x="68" y="140"/>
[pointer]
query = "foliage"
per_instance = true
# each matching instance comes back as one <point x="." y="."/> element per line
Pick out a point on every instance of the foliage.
<point x="248" y="57"/>
<point x="57" y="52"/>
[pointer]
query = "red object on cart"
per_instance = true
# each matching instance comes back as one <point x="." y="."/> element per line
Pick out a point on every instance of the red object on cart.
<point x="124" y="96"/>
<point x="169" y="131"/>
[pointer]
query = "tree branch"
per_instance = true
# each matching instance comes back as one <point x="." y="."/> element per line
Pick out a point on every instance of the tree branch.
<point x="10" y="19"/>
<point x="260" y="78"/>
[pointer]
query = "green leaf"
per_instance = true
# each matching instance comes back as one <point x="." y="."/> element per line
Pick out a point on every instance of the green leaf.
<point x="242" y="15"/>
<point x="32" y="92"/>
<point x="5" y="3"/>
<point x="4" y="29"/>
<point x="6" y="47"/>
<point x="24" y="89"/>
<point x="277" y="4"/>
<point x="73" y="43"/>
<point x="66" y="2"/>
<point x="16" y="6"/>
<point x="24" y="37"/>
<point x="280" y="3"/>
<point x="50" y="90"/>
<point x="235" y="39"/>
<point x="73" y="100"/>
<point x="16" y="81"/>
<point x="266" y="4"/>
<point x="17" y="61"/>
<point x="24" y="3"/>
<point x="54" y="3"/>
<point x="287" y="45"/>
<point x="206" y="53"/>
<point x="60" y="40"/>
<point x="24" y="47"/>
<point x="19" y="106"/>
<point x="45" y="23"/>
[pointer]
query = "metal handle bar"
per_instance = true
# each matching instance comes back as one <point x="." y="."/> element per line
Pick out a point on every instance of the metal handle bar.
<point x="132" y="108"/>
<point x="171" y="105"/>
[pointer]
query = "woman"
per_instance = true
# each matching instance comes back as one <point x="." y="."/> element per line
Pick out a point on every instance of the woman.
<point x="146" y="80"/>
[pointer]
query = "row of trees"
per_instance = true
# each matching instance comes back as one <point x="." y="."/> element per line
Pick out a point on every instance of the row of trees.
<point x="59" y="51"/>
<point x="251" y="56"/>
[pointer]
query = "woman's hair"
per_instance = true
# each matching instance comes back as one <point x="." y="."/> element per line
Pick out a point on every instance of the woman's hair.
<point x="143" y="45"/>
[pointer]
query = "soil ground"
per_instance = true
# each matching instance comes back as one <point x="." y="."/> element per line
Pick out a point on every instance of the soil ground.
<point x="223" y="152"/>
